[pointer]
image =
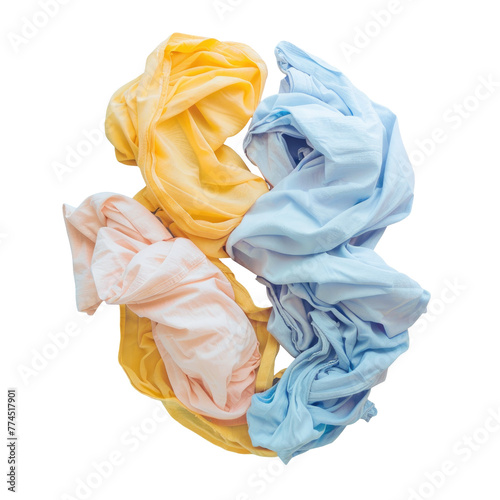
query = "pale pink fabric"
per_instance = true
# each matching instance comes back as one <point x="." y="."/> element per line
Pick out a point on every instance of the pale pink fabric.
<point x="122" y="254"/>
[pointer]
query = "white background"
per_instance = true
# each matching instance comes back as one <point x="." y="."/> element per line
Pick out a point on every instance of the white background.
<point x="78" y="408"/>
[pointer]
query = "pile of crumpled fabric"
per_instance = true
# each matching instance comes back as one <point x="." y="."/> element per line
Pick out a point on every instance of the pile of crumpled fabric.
<point x="335" y="174"/>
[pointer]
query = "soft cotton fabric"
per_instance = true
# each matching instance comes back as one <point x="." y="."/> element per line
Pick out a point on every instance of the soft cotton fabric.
<point x="340" y="175"/>
<point x="173" y="120"/>
<point x="122" y="254"/>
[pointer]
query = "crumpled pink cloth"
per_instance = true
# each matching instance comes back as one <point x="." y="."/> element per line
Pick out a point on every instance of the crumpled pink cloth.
<point x="122" y="254"/>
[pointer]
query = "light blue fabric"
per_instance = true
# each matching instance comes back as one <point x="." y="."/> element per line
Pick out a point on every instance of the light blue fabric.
<point x="339" y="175"/>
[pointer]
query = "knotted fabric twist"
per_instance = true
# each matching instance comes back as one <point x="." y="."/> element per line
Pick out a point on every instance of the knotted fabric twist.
<point x="122" y="254"/>
<point x="339" y="175"/>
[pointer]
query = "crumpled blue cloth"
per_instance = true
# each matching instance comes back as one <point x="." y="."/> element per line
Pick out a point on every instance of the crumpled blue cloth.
<point x="339" y="175"/>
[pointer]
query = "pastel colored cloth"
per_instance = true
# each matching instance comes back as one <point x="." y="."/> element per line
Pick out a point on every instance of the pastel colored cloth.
<point x="172" y="121"/>
<point x="122" y="254"/>
<point x="340" y="175"/>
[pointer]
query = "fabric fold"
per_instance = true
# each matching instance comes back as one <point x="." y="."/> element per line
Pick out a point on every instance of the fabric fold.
<point x="172" y="122"/>
<point x="339" y="175"/>
<point x="122" y="254"/>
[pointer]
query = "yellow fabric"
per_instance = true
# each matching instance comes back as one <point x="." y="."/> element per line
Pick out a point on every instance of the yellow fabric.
<point x="172" y="122"/>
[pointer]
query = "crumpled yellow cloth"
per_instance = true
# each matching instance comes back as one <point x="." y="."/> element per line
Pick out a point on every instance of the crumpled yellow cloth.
<point x="172" y="122"/>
